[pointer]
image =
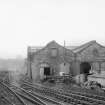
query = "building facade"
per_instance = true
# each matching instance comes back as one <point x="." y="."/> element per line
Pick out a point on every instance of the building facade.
<point x="93" y="54"/>
<point x="54" y="59"/>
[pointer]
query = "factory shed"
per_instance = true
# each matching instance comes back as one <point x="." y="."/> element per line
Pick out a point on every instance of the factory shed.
<point x="90" y="57"/>
<point x="51" y="60"/>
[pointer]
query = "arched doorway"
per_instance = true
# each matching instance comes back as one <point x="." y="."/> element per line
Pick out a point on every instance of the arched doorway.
<point x="85" y="67"/>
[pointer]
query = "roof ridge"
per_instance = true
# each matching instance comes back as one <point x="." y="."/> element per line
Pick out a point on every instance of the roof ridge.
<point x="84" y="46"/>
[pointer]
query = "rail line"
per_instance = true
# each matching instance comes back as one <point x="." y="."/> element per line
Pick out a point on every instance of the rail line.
<point x="83" y="95"/>
<point x="4" y="101"/>
<point x="22" y="96"/>
<point x="89" y="98"/>
<point x="73" y="98"/>
<point x="10" y="95"/>
<point x="95" y="97"/>
<point x="34" y="97"/>
<point x="27" y="95"/>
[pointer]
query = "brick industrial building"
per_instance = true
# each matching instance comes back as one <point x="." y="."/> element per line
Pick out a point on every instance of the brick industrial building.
<point x="54" y="59"/>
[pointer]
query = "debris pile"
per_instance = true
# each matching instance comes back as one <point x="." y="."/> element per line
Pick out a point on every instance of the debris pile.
<point x="92" y="85"/>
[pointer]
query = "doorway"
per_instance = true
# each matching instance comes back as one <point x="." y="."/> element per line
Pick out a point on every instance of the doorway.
<point x="47" y="71"/>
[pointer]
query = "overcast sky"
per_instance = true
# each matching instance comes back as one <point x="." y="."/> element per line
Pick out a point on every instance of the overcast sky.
<point x="36" y="22"/>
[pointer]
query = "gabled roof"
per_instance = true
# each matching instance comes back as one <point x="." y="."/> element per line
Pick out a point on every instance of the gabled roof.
<point x="73" y="49"/>
<point x="84" y="46"/>
<point x="33" y="49"/>
<point x="52" y="44"/>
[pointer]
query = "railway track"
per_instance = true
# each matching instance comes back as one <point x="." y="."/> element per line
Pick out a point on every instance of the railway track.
<point x="4" y="101"/>
<point x="35" y="97"/>
<point x="10" y="96"/>
<point x="69" y="92"/>
<point x="69" y="98"/>
<point x="93" y="96"/>
<point x="26" y="96"/>
<point x="22" y="95"/>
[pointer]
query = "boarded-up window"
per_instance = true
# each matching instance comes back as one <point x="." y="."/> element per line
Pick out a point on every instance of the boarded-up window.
<point x="103" y="66"/>
<point x="95" y="66"/>
<point x="53" y="52"/>
<point x="64" y="68"/>
<point x="95" y="52"/>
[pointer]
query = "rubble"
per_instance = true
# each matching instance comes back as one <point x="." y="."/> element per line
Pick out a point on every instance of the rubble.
<point x="92" y="85"/>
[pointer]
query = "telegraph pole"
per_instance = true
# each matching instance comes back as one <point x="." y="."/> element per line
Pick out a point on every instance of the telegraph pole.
<point x="64" y="52"/>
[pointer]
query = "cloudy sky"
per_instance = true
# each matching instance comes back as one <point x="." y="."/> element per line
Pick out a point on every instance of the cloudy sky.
<point x="36" y="22"/>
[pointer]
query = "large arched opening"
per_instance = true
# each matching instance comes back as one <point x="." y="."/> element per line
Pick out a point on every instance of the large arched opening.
<point x="85" y="68"/>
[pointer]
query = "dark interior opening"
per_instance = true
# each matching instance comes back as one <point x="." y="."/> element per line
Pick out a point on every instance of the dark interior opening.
<point x="47" y="71"/>
<point x="85" y="68"/>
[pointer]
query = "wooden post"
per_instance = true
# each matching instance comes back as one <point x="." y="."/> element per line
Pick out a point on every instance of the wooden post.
<point x="92" y="67"/>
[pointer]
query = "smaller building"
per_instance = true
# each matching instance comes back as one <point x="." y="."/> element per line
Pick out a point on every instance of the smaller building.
<point x="90" y="54"/>
<point x="51" y="60"/>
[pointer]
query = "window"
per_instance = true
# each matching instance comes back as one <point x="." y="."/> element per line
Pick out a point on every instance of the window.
<point x="53" y="52"/>
<point x="95" y="52"/>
